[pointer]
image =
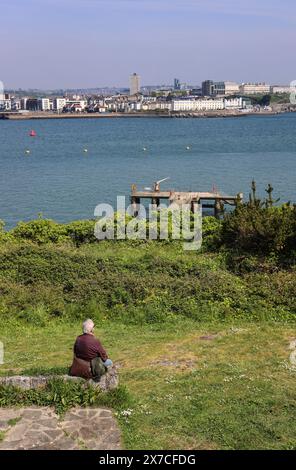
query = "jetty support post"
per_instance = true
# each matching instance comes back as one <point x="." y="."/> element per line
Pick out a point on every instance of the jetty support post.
<point x="239" y="198"/>
<point x="194" y="206"/>
<point x="135" y="202"/>
<point x="155" y="201"/>
<point x="217" y="208"/>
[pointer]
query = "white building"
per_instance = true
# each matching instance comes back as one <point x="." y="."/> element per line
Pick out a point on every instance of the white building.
<point x="231" y="88"/>
<point x="197" y="105"/>
<point x="75" y="106"/>
<point x="157" y="105"/>
<point x="208" y="104"/>
<point x="164" y="105"/>
<point x="59" y="104"/>
<point x="254" y="89"/>
<point x="44" y="104"/>
<point x="283" y="89"/>
<point x="137" y="106"/>
<point x="15" y="104"/>
<point x="134" y="84"/>
<point x="5" y="101"/>
<point x="148" y="99"/>
<point x="7" y="104"/>
<point x="24" y="103"/>
<point x="234" y="103"/>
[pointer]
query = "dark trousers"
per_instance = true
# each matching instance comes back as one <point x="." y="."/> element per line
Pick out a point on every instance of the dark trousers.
<point x="97" y="368"/>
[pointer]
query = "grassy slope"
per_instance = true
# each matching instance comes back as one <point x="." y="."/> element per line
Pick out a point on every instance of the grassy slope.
<point x="235" y="391"/>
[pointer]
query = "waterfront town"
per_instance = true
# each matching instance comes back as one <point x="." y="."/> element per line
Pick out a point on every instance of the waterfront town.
<point x="173" y="99"/>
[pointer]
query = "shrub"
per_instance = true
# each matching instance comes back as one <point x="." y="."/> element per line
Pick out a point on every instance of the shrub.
<point x="211" y="228"/>
<point x="81" y="231"/>
<point x="261" y="230"/>
<point x="37" y="316"/>
<point x="30" y="264"/>
<point x="4" y="236"/>
<point x="40" y="231"/>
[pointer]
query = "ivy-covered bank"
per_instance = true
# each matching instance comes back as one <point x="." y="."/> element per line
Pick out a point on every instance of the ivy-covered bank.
<point x="245" y="269"/>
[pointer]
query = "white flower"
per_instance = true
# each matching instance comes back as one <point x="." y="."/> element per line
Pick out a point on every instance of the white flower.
<point x="127" y="412"/>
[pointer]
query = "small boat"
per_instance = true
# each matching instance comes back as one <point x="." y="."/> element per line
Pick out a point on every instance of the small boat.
<point x="32" y="133"/>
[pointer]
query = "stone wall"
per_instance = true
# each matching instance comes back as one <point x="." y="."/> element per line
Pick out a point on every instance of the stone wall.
<point x="109" y="381"/>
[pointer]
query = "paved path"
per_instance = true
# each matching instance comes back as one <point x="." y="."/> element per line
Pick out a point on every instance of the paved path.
<point x="40" y="428"/>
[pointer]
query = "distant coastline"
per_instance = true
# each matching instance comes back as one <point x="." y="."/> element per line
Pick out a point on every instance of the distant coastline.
<point x="206" y="114"/>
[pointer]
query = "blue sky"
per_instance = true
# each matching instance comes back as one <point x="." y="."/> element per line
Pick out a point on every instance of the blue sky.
<point x="89" y="43"/>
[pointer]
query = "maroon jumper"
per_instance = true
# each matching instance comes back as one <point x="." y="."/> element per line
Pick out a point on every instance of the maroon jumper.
<point x="87" y="347"/>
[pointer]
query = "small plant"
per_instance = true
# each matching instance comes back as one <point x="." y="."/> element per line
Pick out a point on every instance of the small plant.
<point x="13" y="421"/>
<point x="63" y="396"/>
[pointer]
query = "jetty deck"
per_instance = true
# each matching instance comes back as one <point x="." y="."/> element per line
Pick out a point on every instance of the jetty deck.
<point x="209" y="200"/>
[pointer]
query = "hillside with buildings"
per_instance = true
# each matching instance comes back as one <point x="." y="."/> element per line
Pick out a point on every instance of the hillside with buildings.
<point x="211" y="96"/>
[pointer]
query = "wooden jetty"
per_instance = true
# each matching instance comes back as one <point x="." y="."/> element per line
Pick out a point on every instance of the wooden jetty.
<point x="209" y="200"/>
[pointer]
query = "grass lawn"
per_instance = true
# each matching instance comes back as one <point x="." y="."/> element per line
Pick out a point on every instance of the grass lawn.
<point x="192" y="385"/>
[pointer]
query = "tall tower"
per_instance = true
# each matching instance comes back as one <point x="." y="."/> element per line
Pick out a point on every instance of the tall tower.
<point x="134" y="84"/>
<point x="177" y="84"/>
<point x="207" y="88"/>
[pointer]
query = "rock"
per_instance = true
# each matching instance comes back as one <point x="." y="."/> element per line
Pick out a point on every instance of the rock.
<point x="109" y="381"/>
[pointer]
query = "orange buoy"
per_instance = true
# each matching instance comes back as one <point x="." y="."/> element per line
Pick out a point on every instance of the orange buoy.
<point x="33" y="133"/>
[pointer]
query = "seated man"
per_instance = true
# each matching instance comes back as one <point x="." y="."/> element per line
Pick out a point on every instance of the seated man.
<point x="90" y="358"/>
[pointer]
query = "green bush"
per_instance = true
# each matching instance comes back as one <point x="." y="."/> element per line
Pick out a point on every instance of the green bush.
<point x="37" y="316"/>
<point x="81" y="231"/>
<point x="261" y="230"/>
<point x="29" y="264"/>
<point x="43" y="231"/>
<point x="4" y="236"/>
<point x="211" y="228"/>
<point x="40" y="231"/>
